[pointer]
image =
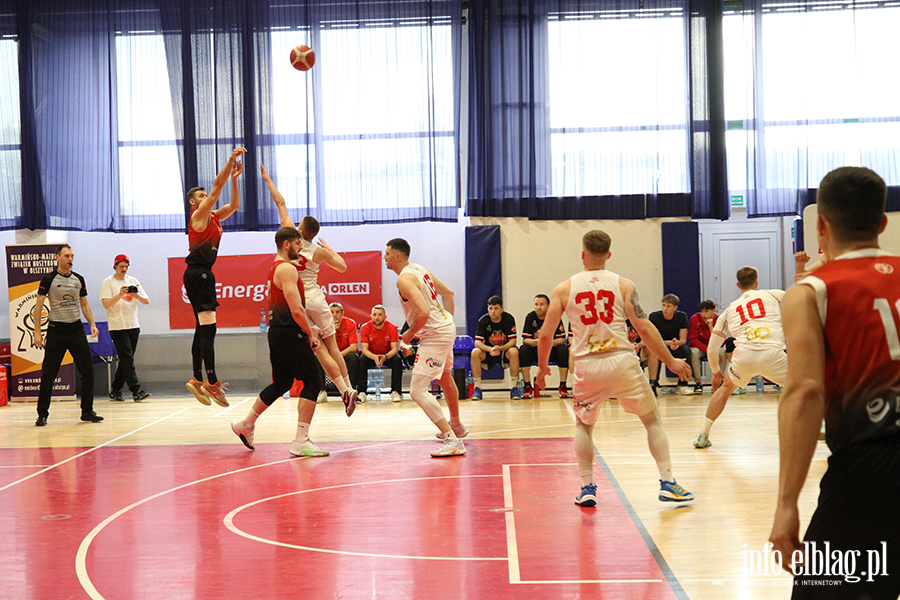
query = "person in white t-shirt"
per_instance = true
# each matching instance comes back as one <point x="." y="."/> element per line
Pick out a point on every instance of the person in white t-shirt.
<point x="120" y="294"/>
<point x="754" y="320"/>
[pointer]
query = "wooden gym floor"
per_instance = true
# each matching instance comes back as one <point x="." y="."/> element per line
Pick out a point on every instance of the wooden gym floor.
<point x="161" y="500"/>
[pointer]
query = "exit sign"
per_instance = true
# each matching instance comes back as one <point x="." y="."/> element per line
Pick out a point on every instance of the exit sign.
<point x="737" y="201"/>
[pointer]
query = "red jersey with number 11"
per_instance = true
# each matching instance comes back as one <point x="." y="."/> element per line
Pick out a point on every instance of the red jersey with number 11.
<point x="596" y="312"/>
<point x="858" y="296"/>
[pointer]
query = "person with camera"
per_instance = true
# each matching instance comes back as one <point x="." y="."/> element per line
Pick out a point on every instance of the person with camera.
<point x="120" y="294"/>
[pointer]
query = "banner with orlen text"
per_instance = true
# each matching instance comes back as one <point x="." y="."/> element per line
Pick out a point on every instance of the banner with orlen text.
<point x="242" y="288"/>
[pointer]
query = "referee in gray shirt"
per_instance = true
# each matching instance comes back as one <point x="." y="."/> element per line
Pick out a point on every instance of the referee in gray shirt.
<point x="68" y="298"/>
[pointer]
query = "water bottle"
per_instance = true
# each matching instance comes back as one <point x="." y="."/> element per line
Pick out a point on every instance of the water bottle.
<point x="760" y="384"/>
<point x="379" y="382"/>
<point x="470" y="385"/>
<point x="263" y="325"/>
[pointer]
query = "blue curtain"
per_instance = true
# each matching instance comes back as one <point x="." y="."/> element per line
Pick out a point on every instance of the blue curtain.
<point x="125" y="104"/>
<point x="819" y="95"/>
<point x="600" y="109"/>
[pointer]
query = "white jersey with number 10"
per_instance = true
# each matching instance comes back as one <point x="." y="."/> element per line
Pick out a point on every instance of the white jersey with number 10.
<point x="596" y="312"/>
<point x="440" y="322"/>
<point x="754" y="320"/>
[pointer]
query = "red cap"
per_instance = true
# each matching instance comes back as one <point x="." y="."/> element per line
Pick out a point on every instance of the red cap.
<point x="122" y="258"/>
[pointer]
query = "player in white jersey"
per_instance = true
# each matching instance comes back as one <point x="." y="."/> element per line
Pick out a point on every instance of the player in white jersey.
<point x="432" y="322"/>
<point x="754" y="321"/>
<point x="317" y="310"/>
<point x="597" y="303"/>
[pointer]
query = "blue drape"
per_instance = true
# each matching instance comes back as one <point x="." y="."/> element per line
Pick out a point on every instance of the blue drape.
<point x="513" y="167"/>
<point x="125" y="104"/>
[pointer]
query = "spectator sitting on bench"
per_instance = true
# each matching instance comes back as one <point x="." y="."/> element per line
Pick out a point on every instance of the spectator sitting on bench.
<point x="347" y="339"/>
<point x="673" y="327"/>
<point x="379" y="343"/>
<point x="559" y="353"/>
<point x="495" y="342"/>
<point x="699" y="330"/>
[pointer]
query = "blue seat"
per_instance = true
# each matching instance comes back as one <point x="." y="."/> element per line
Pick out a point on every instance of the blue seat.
<point x="462" y="353"/>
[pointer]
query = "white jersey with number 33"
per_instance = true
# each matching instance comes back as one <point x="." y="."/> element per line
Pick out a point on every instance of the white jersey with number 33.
<point x="754" y="320"/>
<point x="440" y="322"/>
<point x="596" y="312"/>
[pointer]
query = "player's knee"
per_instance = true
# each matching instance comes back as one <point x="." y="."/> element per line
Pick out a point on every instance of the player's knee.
<point x="477" y="355"/>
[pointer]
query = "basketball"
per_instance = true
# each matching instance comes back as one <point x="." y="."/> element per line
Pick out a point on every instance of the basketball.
<point x="303" y="58"/>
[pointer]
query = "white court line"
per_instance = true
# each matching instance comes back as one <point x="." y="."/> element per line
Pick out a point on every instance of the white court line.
<point x="231" y="407"/>
<point x="86" y="452"/>
<point x="229" y="521"/>
<point x="81" y="556"/>
<point x="512" y="550"/>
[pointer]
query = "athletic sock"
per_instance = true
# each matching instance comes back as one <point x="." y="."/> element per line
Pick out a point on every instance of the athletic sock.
<point x="250" y="419"/>
<point x="707" y="425"/>
<point x="302" y="432"/>
<point x="478" y="382"/>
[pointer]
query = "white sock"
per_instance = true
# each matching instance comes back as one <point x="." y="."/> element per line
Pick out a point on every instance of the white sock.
<point x="302" y="432"/>
<point x="478" y="382"/>
<point x="250" y="419"/>
<point x="344" y="383"/>
<point x="707" y="425"/>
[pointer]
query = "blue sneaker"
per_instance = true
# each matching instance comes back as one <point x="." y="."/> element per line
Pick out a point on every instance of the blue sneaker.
<point x="588" y="495"/>
<point x="515" y="393"/>
<point x="669" y="491"/>
<point x="476" y="394"/>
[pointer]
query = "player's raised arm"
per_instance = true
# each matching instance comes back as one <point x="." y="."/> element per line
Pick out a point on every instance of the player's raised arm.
<point x="326" y="254"/>
<point x="283" y="216"/>
<point x="648" y="332"/>
<point x="235" y="203"/>
<point x="200" y="218"/>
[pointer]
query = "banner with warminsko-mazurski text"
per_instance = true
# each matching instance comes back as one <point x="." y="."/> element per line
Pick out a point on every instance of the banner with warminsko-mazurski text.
<point x="26" y="264"/>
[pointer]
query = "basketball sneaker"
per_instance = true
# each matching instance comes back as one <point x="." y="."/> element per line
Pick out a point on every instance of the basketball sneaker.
<point x="702" y="441"/>
<point x="361" y="398"/>
<point x="349" y="398"/>
<point x="396" y="397"/>
<point x="216" y="391"/>
<point x="698" y="389"/>
<point x="460" y="431"/>
<point x="684" y="390"/>
<point x="476" y="394"/>
<point x="588" y="495"/>
<point x="563" y="391"/>
<point x="244" y="432"/>
<point x="515" y="393"/>
<point x="117" y="396"/>
<point x="140" y="395"/>
<point x="528" y="391"/>
<point x="669" y="491"/>
<point x="450" y="448"/>
<point x="195" y="387"/>
<point x="306" y="448"/>
<point x="322" y="397"/>
<point x="739" y="391"/>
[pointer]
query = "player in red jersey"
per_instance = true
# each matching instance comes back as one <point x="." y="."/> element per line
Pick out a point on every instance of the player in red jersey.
<point x="204" y="234"/>
<point x="844" y="320"/>
<point x="291" y="346"/>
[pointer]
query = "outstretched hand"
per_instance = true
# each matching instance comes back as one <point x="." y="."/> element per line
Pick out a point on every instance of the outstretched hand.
<point x="680" y="368"/>
<point x="264" y="173"/>
<point x="323" y="244"/>
<point x="237" y="169"/>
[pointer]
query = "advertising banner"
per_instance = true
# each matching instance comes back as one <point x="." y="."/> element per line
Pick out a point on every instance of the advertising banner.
<point x="242" y="288"/>
<point x="25" y="265"/>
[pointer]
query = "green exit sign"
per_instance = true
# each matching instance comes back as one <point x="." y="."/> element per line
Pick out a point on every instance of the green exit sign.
<point x="737" y="201"/>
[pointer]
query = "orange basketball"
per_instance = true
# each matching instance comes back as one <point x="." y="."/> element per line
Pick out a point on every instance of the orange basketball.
<point x="303" y="58"/>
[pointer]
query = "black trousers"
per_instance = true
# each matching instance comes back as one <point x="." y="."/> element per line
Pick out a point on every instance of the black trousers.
<point x="62" y="337"/>
<point x="126" y="341"/>
<point x="291" y="358"/>
<point x="394" y="363"/>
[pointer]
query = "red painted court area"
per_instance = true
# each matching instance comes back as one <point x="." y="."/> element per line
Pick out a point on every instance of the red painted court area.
<point x="373" y="520"/>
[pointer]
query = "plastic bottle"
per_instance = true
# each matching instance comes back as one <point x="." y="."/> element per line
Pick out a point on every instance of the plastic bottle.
<point x="760" y="384"/>
<point x="470" y="385"/>
<point x="379" y="381"/>
<point x="263" y="324"/>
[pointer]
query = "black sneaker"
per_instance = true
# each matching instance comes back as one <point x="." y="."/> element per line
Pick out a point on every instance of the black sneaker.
<point x="91" y="417"/>
<point x="140" y="395"/>
<point x="698" y="389"/>
<point x="41" y="422"/>
<point x="654" y="387"/>
<point x="117" y="396"/>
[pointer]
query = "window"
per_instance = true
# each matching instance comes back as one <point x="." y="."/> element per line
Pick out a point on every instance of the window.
<point x="10" y="134"/>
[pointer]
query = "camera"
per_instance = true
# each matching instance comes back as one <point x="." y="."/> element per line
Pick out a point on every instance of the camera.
<point x="132" y="289"/>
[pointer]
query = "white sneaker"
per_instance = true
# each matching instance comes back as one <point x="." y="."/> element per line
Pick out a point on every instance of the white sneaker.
<point x="244" y="432"/>
<point x="323" y="397"/>
<point x="361" y="398"/>
<point x="306" y="448"/>
<point x="685" y="390"/>
<point x="450" y="448"/>
<point x="460" y="431"/>
<point x="396" y="397"/>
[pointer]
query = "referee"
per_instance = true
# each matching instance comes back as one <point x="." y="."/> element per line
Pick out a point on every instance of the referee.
<point x="68" y="298"/>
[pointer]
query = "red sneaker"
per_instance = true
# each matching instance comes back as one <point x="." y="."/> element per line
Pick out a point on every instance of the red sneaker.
<point x="563" y="391"/>
<point x="528" y="392"/>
